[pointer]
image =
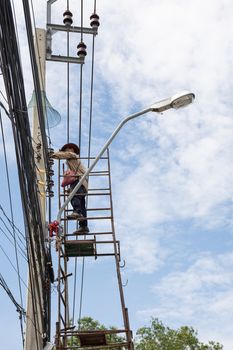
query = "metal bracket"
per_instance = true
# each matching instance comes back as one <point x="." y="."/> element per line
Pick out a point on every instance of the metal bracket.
<point x="53" y="28"/>
<point x="73" y="29"/>
<point x="59" y="58"/>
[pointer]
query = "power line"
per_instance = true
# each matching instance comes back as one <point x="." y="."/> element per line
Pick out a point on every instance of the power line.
<point x="81" y="82"/>
<point x="40" y="70"/>
<point x="14" y="87"/>
<point x="21" y="252"/>
<point x="89" y="154"/>
<point x="19" y="308"/>
<point x="13" y="225"/>
<point x="11" y="208"/>
<point x="14" y="268"/>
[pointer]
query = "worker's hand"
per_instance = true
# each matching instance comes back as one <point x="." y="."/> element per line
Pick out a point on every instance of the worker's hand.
<point x="64" y="155"/>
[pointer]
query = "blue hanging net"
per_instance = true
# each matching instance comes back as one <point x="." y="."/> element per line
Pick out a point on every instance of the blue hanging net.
<point x="52" y="117"/>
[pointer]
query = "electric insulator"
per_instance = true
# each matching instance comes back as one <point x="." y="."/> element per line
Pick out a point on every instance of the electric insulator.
<point x="51" y="162"/>
<point x="50" y="154"/>
<point x="38" y="146"/>
<point x="67" y="18"/>
<point x="94" y="21"/>
<point x="51" y="172"/>
<point x="82" y="52"/>
<point x="51" y="194"/>
<point x="50" y="151"/>
<point x="51" y="183"/>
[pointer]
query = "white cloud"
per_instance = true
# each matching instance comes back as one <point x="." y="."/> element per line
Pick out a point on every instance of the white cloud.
<point x="199" y="295"/>
<point x="177" y="167"/>
<point x="144" y="253"/>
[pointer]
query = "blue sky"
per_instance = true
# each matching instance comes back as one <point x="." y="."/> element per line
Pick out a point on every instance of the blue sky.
<point x="171" y="173"/>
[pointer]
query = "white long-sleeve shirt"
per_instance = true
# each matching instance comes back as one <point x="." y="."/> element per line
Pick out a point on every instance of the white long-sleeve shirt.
<point x="73" y="162"/>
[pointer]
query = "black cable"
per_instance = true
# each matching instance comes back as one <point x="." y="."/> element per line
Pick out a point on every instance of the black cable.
<point x="36" y="79"/>
<point x="7" y="289"/>
<point x="13" y="225"/>
<point x="68" y="82"/>
<point x="12" y="73"/>
<point x="91" y="100"/>
<point x="21" y="251"/>
<point x="19" y="308"/>
<point x="4" y="99"/>
<point x="81" y="12"/>
<point x="40" y="70"/>
<point x="30" y="291"/>
<point x="89" y="155"/>
<point x="15" y="269"/>
<point x="80" y="107"/>
<point x="81" y="84"/>
<point x="41" y="245"/>
<point x="11" y="207"/>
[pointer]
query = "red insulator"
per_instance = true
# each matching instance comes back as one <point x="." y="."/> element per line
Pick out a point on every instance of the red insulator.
<point x="82" y="52"/>
<point x="67" y="18"/>
<point x="94" y="21"/>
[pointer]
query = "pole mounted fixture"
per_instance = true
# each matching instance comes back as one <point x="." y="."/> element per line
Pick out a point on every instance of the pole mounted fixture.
<point x="177" y="101"/>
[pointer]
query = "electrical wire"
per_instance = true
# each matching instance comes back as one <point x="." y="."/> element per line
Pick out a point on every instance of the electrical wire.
<point x="81" y="84"/>
<point x="79" y="143"/>
<point x="36" y="79"/>
<point x="89" y="155"/>
<point x="13" y="225"/>
<point x="40" y="70"/>
<point x="91" y="100"/>
<point x="45" y="297"/>
<point x="11" y="208"/>
<point x="21" y="251"/>
<point x="19" y="308"/>
<point x="12" y="74"/>
<point x="4" y="99"/>
<point x="25" y="285"/>
<point x="14" y="268"/>
<point x="68" y="82"/>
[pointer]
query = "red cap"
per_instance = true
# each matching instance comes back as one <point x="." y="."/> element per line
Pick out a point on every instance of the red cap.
<point x="71" y="145"/>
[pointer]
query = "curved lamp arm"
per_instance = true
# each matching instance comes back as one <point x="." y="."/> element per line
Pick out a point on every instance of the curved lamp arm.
<point x="79" y="184"/>
<point x="177" y="101"/>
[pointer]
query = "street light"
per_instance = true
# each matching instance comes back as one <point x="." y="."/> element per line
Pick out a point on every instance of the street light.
<point x="176" y="101"/>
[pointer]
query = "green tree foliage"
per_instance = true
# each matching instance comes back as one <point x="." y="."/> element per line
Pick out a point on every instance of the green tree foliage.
<point x="160" y="337"/>
<point x="155" y="337"/>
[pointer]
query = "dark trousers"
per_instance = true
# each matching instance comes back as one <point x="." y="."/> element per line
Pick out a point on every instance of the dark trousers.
<point x="79" y="203"/>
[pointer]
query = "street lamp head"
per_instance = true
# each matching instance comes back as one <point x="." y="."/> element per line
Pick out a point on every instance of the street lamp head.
<point x="177" y="101"/>
<point x="182" y="99"/>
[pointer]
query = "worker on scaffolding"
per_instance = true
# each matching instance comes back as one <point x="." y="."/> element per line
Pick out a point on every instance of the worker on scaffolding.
<point x="71" y="153"/>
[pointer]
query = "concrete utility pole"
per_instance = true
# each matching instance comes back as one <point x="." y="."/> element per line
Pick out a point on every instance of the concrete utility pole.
<point x="34" y="329"/>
